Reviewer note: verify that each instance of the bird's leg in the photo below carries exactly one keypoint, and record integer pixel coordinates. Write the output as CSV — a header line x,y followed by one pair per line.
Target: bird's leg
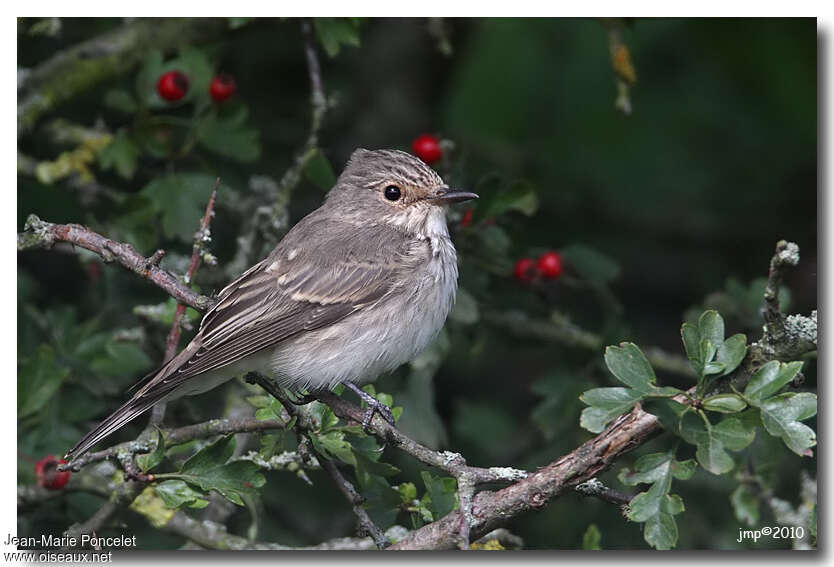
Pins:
x,y
374,406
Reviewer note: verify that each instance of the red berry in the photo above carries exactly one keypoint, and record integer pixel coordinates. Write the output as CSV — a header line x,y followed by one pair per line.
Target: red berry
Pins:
x,y
525,270
172,86
222,87
549,264
427,148
46,474
467,218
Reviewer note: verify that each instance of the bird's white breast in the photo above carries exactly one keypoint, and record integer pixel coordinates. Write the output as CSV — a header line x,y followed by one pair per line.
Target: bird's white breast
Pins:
x,y
381,337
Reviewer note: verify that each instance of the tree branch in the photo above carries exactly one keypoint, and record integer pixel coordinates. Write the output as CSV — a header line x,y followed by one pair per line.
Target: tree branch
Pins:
x,y
41,234
176,437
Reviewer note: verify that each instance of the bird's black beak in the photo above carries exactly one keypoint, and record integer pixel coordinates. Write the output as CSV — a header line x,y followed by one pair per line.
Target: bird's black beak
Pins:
x,y
445,196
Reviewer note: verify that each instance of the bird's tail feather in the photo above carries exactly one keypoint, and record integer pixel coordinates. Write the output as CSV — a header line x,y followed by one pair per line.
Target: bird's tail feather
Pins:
x,y
132,409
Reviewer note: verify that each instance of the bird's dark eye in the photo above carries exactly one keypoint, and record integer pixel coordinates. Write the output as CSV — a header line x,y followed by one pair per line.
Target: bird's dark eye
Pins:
x,y
392,192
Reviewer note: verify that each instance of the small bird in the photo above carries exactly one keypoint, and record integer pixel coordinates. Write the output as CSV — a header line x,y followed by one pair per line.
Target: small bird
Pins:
x,y
357,288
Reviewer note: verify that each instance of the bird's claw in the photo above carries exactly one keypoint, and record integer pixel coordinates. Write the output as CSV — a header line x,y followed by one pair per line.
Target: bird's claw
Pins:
x,y
374,406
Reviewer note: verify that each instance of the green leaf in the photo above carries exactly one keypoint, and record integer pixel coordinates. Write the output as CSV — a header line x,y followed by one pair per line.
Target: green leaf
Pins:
x,y
630,366
769,379
120,155
710,451
228,134
408,492
38,379
781,416
181,200
150,460
683,470
606,404
732,352
724,403
209,470
333,33
319,172
734,434
332,445
441,494
691,343
176,493
661,531
711,328
592,538
745,505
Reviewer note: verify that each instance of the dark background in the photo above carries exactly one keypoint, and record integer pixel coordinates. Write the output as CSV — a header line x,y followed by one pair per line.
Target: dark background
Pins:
x,y
716,163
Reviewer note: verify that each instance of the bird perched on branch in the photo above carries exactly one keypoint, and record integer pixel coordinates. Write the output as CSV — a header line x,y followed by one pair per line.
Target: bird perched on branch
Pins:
x,y
358,287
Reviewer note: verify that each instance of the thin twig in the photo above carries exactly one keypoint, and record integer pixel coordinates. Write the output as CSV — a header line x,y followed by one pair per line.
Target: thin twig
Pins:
x,y
318,102
366,524
201,237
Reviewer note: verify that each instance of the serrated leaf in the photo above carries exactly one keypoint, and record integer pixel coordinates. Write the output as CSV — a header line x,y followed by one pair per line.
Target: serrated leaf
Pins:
x,y
745,505
769,379
148,461
781,416
209,470
724,403
732,352
630,366
333,445
176,493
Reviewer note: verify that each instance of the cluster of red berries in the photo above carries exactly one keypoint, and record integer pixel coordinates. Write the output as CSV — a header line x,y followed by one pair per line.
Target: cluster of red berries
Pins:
x,y
173,85
47,474
548,266
427,148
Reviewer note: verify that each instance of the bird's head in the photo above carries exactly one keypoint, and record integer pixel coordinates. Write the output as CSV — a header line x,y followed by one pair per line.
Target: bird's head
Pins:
x,y
392,186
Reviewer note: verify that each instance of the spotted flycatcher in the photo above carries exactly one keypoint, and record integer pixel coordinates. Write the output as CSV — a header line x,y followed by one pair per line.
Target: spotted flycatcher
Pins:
x,y
358,287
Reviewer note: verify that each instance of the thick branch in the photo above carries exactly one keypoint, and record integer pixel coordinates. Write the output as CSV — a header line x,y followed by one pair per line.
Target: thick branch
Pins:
x,y
491,509
42,234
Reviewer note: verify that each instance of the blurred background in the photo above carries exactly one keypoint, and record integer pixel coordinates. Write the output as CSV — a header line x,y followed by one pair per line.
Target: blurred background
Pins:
x,y
656,213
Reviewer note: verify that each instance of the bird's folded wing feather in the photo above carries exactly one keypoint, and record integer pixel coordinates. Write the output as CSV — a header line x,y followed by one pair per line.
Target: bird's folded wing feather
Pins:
x,y
292,291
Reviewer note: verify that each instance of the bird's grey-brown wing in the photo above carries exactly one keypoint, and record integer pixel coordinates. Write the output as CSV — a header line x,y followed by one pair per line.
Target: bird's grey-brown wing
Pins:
x,y
299,287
